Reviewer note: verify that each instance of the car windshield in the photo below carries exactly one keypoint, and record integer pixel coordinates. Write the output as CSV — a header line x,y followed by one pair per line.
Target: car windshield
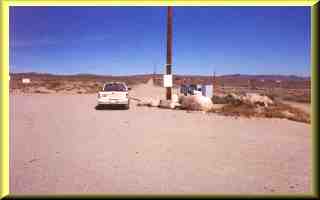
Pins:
x,y
114,87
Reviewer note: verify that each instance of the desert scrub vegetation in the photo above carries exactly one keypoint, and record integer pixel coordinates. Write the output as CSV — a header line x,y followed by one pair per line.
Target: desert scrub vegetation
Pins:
x,y
281,110
236,107
299,96
228,99
278,110
239,109
41,92
53,85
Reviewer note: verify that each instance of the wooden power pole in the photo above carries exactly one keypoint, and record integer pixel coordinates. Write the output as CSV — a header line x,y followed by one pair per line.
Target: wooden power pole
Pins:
x,y
169,50
154,73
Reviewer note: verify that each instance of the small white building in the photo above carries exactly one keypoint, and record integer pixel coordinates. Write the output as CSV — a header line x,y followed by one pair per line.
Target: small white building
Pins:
x,y
26,80
207,90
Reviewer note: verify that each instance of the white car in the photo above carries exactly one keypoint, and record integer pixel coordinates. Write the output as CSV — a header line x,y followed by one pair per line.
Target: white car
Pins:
x,y
114,94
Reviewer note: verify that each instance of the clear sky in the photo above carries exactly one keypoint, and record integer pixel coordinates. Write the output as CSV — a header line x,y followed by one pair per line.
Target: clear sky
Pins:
x,y
132,40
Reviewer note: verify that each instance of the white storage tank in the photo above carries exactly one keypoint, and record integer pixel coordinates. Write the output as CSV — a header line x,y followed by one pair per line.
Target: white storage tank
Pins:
x,y
207,90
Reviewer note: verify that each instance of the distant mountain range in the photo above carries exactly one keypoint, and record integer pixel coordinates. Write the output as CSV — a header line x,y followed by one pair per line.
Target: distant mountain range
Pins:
x,y
231,76
267,77
232,80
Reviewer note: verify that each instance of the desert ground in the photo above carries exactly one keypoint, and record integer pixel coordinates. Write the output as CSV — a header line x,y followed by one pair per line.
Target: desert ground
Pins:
x,y
59,143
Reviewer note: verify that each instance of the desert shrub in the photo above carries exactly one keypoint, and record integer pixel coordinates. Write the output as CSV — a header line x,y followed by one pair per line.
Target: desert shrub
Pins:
x,y
243,109
99,88
53,85
228,99
277,110
231,100
41,92
298,115
271,112
219,100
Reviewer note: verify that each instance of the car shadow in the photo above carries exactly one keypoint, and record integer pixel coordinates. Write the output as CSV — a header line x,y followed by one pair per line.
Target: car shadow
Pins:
x,y
110,107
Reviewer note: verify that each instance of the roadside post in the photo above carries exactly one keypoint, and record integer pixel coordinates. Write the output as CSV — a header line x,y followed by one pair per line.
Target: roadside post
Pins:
x,y
169,55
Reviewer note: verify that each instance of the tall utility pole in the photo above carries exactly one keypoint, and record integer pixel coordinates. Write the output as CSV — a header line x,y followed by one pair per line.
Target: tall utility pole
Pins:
x,y
169,49
214,86
154,72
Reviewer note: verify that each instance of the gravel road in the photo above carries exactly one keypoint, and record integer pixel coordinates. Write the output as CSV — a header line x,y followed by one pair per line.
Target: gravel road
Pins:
x,y
60,144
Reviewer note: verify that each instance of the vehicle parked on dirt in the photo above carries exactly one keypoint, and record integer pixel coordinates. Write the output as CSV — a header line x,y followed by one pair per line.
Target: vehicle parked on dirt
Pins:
x,y
114,94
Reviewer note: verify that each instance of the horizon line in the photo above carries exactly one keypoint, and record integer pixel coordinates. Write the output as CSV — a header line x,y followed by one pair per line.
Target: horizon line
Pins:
x,y
92,74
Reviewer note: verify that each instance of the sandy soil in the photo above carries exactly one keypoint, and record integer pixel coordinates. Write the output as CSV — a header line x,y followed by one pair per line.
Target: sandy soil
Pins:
x,y
60,144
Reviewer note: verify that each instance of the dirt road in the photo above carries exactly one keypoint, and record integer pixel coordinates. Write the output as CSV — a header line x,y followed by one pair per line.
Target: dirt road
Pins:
x,y
60,144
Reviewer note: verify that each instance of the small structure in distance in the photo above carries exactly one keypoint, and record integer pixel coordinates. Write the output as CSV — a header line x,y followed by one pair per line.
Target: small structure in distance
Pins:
x,y
26,80
197,89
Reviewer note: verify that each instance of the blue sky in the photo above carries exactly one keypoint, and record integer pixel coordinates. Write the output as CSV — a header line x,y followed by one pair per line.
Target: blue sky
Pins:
x,y
132,40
